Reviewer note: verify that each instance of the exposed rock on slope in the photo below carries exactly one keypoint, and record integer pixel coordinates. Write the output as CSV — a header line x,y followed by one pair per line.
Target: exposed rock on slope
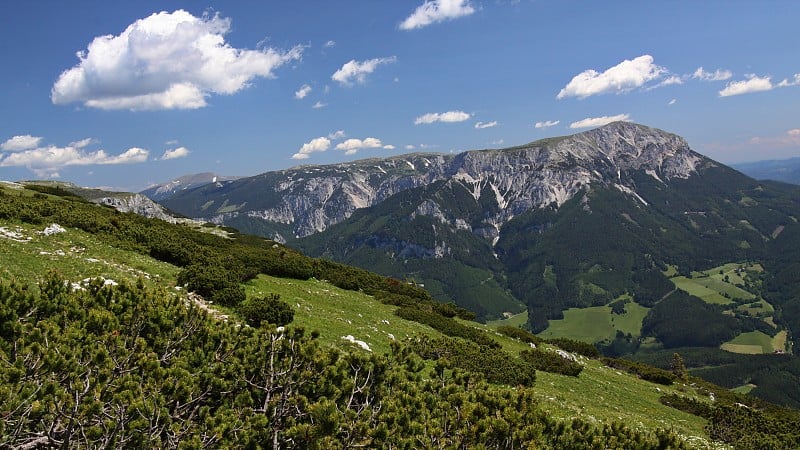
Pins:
x,y
309,199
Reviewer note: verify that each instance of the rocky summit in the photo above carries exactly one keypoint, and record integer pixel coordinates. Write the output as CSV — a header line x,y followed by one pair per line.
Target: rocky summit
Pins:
x,y
305,200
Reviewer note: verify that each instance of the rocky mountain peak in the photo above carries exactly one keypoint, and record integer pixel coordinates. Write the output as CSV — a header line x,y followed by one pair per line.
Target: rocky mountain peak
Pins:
x,y
309,199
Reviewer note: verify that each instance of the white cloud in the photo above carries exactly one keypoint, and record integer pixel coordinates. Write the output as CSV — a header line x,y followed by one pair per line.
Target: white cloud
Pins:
x,y
672,102
18,143
434,11
789,139
319,144
498,142
130,156
753,83
319,105
351,146
547,124
83,143
329,44
409,147
449,116
165,61
786,82
338,134
717,75
45,161
623,77
599,121
388,147
672,79
302,92
357,71
180,152
481,125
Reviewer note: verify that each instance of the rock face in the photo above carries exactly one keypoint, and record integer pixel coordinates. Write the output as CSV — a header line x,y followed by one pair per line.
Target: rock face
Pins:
x,y
136,203
309,199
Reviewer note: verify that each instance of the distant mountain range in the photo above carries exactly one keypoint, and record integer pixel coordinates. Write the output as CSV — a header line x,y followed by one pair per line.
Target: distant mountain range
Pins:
x,y
786,170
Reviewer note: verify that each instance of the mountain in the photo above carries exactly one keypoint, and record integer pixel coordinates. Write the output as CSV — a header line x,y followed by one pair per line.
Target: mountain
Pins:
x,y
786,170
163,191
556,223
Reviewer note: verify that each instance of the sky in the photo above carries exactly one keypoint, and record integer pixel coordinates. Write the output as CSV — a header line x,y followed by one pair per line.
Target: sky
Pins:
x,y
122,95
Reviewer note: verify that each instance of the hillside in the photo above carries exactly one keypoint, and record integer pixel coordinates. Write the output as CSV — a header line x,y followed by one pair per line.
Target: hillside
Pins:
x,y
786,170
168,369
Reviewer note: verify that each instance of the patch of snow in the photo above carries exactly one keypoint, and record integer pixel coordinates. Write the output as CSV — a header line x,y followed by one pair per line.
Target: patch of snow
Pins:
x,y
362,344
411,165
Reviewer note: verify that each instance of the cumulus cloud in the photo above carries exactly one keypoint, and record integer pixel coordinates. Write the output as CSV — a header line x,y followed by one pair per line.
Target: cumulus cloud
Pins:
x,y
329,44
389,147
599,121
319,105
338,134
623,77
435,11
449,116
357,71
351,146
165,61
672,79
753,83
547,124
45,161
180,152
786,82
409,147
302,92
319,144
717,75
19,143
481,125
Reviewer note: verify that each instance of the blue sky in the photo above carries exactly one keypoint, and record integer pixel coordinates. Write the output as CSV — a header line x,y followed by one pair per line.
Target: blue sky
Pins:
x,y
125,94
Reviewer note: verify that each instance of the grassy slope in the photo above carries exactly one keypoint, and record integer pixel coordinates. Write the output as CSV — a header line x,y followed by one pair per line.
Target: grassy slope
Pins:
x,y
598,394
596,323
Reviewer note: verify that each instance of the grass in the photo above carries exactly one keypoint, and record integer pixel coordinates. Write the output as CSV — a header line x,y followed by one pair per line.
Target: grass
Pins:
x,y
75,255
751,343
596,323
614,395
599,394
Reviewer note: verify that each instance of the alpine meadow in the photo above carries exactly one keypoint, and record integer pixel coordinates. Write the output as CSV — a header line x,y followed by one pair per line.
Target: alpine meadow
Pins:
x,y
437,224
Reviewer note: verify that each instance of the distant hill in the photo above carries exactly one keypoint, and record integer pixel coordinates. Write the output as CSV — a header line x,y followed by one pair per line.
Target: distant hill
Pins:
x,y
163,191
786,170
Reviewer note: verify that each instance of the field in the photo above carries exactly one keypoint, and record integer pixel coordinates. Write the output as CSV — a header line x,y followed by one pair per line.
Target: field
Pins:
x,y
596,323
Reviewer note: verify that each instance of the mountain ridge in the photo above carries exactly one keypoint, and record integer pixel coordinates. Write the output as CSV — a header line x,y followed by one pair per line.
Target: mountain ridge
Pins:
x,y
304,200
